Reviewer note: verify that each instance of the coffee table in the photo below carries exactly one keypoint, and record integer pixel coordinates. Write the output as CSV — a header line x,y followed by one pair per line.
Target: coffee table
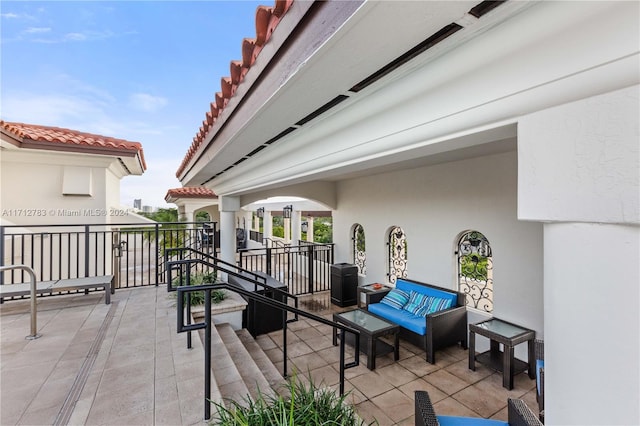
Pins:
x,y
371,328
509,335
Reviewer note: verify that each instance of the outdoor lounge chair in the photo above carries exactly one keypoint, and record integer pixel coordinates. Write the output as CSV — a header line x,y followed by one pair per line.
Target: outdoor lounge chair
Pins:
x,y
519,415
539,351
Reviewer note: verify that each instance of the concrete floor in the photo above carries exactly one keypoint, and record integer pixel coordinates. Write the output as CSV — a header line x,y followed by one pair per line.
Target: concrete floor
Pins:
x,y
125,364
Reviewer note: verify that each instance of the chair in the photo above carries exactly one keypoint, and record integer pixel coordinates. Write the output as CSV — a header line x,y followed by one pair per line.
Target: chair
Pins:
x,y
539,351
519,415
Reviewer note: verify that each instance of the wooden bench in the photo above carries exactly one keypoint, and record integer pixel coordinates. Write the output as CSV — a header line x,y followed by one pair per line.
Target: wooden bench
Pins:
x,y
69,284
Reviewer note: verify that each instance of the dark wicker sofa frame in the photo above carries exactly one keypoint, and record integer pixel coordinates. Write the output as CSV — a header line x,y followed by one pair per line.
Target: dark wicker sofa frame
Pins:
x,y
444,328
519,414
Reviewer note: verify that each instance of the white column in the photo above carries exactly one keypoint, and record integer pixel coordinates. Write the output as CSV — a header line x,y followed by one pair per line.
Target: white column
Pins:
x,y
310,229
296,221
267,225
578,174
228,207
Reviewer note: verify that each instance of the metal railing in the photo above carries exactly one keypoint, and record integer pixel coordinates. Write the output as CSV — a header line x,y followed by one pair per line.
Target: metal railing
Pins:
x,y
32,293
133,253
183,312
305,268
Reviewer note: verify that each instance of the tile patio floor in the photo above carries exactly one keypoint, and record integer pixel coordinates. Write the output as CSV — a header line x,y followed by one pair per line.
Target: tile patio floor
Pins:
x,y
125,364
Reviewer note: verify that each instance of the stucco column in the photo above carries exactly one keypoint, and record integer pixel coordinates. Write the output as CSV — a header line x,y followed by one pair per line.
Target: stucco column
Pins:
x,y
296,221
267,225
578,174
228,207
310,229
256,223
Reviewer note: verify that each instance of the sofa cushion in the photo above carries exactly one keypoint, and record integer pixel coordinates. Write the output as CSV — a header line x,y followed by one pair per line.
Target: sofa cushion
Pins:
x,y
416,302
408,286
434,304
469,421
399,316
396,298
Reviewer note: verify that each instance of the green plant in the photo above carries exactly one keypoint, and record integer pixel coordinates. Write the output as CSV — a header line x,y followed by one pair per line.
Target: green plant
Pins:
x,y
197,297
474,266
307,405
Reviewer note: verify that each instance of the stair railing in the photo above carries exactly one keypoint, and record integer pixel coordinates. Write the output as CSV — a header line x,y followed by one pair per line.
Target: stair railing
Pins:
x,y
183,295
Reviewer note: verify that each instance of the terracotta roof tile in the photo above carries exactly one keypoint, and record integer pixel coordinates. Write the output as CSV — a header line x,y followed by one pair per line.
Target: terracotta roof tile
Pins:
x,y
88,142
191,192
267,19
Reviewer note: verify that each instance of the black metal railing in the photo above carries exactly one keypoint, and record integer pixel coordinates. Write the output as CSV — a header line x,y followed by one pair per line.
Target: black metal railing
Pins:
x,y
256,236
305,268
133,253
183,313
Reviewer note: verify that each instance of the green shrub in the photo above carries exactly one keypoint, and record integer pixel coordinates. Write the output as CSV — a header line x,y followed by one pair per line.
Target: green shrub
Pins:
x,y
197,297
307,405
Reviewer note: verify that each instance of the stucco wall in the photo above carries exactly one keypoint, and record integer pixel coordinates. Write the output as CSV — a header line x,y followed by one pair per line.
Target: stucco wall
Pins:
x,y
32,189
434,205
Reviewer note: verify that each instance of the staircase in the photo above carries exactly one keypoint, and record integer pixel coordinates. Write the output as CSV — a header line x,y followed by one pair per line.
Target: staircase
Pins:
x,y
240,368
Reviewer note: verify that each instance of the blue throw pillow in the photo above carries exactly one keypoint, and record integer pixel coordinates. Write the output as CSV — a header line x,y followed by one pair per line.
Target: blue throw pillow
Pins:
x,y
396,298
434,304
416,302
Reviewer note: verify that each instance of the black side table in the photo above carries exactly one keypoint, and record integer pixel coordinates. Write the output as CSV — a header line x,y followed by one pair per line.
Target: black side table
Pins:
x,y
367,294
509,335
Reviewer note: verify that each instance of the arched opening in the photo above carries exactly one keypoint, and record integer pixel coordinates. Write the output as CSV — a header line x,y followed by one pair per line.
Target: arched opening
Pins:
x,y
358,248
397,245
475,270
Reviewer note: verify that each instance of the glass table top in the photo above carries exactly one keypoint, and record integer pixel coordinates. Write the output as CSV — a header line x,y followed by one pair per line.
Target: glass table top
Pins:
x,y
502,328
365,320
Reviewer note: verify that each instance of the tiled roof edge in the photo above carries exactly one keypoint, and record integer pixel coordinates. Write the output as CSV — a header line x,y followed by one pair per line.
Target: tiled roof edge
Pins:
x,y
61,136
267,19
190,192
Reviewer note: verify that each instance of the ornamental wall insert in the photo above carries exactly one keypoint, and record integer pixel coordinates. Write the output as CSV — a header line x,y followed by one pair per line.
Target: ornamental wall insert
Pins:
x,y
397,254
475,270
359,254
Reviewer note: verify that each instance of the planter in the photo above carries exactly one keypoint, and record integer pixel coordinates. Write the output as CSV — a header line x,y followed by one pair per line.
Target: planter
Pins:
x,y
229,310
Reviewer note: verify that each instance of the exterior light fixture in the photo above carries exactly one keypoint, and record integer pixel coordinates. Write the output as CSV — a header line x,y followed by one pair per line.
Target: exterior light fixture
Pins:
x,y
260,212
304,226
286,211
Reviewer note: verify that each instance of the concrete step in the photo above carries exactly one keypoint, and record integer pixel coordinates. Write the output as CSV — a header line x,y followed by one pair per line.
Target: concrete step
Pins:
x,y
265,365
225,372
251,373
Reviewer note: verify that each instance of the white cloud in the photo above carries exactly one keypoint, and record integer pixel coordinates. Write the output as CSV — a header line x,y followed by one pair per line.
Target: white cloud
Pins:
x,y
147,103
10,15
75,37
37,30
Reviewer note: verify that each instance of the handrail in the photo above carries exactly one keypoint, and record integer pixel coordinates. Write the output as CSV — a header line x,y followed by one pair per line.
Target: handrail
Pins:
x,y
235,274
240,275
34,305
206,325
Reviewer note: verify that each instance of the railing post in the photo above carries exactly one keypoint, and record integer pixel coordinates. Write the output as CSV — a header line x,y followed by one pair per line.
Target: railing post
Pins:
x,y
284,343
86,250
207,353
268,261
310,271
2,255
157,234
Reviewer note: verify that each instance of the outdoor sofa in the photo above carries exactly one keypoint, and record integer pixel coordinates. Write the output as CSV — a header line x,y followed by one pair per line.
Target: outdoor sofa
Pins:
x,y
519,414
430,317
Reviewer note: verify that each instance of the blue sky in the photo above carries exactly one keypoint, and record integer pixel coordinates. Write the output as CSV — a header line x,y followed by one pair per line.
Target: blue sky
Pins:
x,y
144,71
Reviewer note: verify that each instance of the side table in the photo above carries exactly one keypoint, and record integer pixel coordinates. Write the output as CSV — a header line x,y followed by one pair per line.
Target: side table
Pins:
x,y
509,335
366,294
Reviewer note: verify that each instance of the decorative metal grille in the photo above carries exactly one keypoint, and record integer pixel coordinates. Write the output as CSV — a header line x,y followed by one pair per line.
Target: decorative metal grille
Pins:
x,y
397,254
475,270
359,254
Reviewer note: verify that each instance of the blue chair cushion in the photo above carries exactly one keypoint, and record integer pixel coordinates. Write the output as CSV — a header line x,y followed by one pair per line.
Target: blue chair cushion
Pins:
x,y
469,421
396,298
539,366
408,286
